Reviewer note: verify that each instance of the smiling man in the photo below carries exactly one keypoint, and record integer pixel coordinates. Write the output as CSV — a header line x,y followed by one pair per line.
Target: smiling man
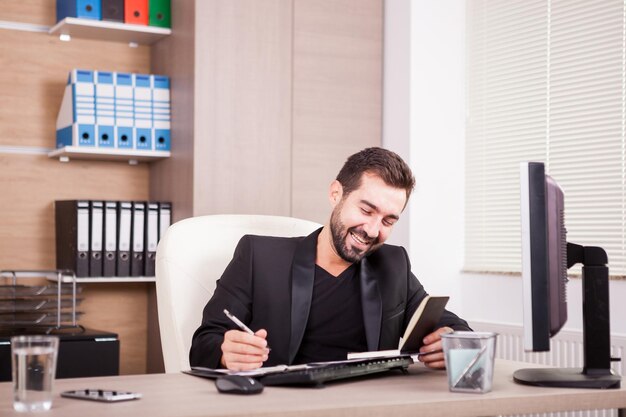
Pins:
x,y
339,290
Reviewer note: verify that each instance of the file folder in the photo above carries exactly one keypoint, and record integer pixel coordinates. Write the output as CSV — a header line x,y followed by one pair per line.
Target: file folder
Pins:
x,y
83,9
105,109
143,111
124,107
137,239
161,111
113,10
76,119
72,236
159,13
124,232
165,217
110,239
151,238
136,12
96,222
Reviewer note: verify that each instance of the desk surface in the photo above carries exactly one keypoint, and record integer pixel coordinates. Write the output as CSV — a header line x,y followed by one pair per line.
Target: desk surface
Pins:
x,y
423,392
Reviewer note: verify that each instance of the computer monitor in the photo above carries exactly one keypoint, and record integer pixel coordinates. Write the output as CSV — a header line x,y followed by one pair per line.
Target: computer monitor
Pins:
x,y
546,256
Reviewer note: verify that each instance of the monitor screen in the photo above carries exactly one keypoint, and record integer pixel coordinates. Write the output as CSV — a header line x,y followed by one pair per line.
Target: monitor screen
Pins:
x,y
546,256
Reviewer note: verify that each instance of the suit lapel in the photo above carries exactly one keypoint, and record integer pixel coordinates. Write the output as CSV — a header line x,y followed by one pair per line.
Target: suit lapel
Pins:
x,y
372,305
302,279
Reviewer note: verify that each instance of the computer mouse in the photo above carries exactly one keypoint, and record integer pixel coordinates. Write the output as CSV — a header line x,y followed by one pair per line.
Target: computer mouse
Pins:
x,y
237,384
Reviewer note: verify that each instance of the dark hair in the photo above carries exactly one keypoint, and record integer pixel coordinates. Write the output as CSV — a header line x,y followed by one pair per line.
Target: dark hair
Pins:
x,y
382,162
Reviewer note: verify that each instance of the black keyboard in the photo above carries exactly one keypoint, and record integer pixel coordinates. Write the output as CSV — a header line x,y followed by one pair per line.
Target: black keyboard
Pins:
x,y
325,372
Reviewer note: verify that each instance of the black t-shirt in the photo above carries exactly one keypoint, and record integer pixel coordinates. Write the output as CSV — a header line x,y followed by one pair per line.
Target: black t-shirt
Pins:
x,y
335,325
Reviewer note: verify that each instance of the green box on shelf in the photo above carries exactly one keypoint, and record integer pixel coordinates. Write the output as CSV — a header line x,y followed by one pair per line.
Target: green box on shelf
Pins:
x,y
159,12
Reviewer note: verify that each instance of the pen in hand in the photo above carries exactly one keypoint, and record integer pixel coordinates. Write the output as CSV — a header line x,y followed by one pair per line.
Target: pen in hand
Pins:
x,y
240,324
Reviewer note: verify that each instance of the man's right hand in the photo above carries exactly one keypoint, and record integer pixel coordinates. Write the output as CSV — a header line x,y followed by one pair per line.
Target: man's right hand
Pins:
x,y
242,351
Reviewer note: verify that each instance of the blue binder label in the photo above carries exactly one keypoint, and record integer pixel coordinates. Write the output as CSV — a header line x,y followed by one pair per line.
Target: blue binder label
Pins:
x,y
162,139
144,139
86,135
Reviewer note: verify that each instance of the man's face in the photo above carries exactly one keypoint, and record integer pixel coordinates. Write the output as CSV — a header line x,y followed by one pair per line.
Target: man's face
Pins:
x,y
362,221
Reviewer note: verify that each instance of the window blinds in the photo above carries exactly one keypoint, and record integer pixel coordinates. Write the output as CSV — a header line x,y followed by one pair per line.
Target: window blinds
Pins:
x,y
545,82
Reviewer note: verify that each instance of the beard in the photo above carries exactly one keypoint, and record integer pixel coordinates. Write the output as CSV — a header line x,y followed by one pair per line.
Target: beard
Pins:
x,y
340,235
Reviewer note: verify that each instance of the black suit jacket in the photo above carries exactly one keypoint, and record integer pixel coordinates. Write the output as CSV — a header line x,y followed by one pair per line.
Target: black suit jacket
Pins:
x,y
269,283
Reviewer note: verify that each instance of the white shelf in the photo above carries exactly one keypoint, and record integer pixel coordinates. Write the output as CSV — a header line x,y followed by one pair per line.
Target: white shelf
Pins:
x,y
132,156
52,275
105,279
109,31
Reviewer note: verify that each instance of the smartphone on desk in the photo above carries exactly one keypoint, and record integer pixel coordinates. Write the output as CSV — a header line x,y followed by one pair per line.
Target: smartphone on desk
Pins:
x,y
104,395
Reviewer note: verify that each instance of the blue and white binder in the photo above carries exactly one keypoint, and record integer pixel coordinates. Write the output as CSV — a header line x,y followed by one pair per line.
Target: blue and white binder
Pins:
x,y
143,112
161,112
124,107
76,119
105,109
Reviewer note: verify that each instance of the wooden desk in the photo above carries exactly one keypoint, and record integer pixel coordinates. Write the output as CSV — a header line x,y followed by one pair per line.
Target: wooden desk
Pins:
x,y
421,393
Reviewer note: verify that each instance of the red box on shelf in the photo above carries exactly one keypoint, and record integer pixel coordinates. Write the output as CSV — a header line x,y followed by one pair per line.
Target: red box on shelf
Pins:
x,y
136,12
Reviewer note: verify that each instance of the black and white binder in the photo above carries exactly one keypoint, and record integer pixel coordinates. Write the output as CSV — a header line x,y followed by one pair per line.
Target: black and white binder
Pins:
x,y
124,227
110,239
72,236
165,217
151,238
137,239
96,222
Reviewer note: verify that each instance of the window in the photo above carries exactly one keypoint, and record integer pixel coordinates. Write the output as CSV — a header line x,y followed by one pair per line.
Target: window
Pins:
x,y
545,82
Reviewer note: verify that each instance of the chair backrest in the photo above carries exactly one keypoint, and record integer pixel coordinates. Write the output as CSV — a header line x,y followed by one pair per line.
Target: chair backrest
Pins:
x,y
190,258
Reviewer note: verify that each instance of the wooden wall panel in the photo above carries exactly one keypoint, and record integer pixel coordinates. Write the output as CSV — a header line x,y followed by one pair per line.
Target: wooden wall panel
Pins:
x,y
37,12
337,94
231,101
34,72
242,126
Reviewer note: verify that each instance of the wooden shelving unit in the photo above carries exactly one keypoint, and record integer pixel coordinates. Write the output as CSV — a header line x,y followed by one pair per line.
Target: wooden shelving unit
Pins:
x,y
35,65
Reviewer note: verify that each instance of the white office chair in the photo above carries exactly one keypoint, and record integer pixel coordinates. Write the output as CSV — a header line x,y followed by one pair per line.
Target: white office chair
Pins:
x,y
190,259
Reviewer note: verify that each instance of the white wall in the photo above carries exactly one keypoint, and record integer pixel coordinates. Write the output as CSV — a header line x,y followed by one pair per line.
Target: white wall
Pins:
x,y
437,108
437,143
397,97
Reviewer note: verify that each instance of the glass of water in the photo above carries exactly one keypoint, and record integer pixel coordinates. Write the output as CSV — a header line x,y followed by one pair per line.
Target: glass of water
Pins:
x,y
33,360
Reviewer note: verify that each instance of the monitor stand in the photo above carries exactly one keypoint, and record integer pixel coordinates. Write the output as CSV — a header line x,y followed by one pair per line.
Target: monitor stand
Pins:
x,y
565,378
596,371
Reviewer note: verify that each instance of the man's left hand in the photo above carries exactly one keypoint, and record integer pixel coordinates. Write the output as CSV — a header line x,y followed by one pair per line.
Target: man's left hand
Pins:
x,y
432,350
